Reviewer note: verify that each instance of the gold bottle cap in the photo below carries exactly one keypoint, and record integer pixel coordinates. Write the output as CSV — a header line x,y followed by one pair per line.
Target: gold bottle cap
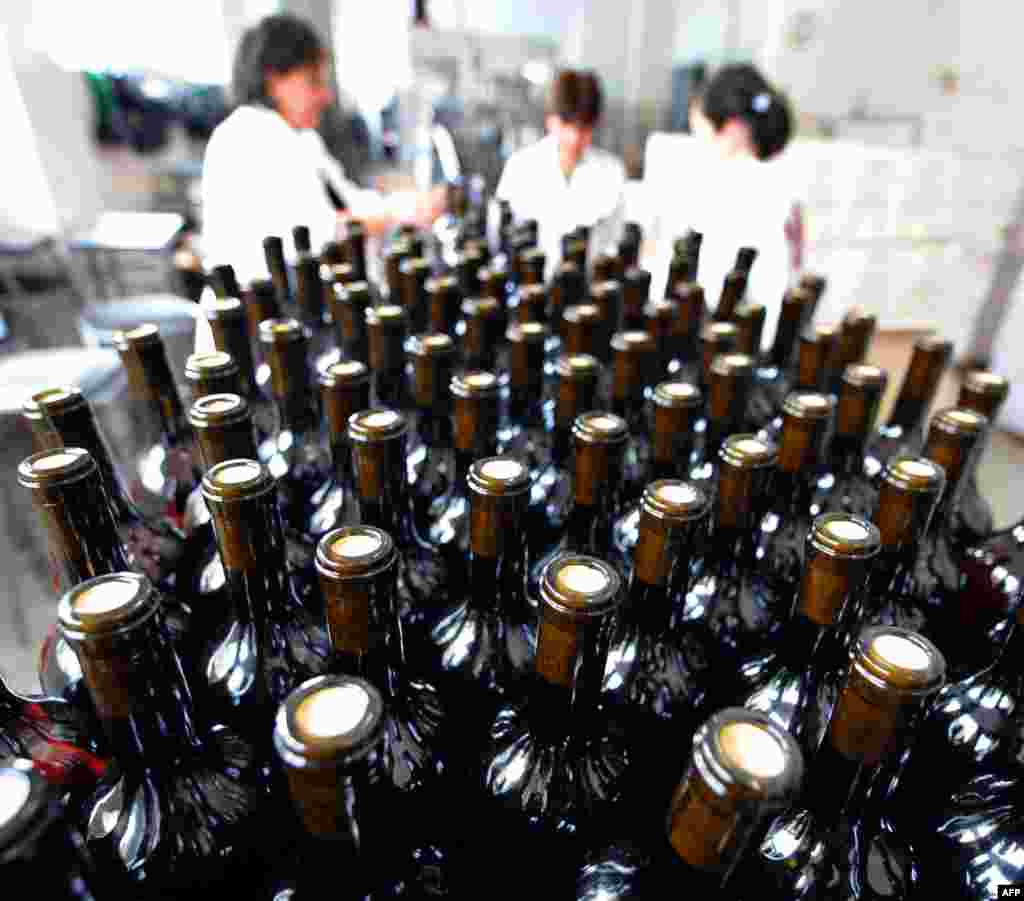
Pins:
x,y
532,298
328,720
59,466
959,421
434,345
748,452
475,384
443,284
582,312
675,501
377,424
578,367
661,311
862,375
898,659
983,382
210,365
106,605
677,394
356,291
346,372
600,428
844,535
355,552
731,365
580,587
387,316
808,405
144,335
276,332
218,410
633,342
915,474
527,333
237,480
498,476
720,333
55,401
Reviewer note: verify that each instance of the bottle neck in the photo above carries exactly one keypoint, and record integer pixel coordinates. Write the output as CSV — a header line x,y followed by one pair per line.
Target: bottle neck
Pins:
x,y
571,658
848,454
232,336
380,473
83,537
434,428
140,694
526,405
834,785
908,412
662,564
498,554
162,397
297,414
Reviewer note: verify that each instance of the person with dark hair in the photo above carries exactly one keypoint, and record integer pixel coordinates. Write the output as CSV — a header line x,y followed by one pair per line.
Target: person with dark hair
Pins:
x,y
735,187
562,181
267,169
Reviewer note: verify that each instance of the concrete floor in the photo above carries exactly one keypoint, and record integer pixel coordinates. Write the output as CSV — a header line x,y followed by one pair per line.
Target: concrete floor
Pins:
x,y
47,320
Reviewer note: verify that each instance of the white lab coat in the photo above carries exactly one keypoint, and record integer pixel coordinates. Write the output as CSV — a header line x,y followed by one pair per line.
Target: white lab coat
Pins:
x,y
733,203
535,187
262,177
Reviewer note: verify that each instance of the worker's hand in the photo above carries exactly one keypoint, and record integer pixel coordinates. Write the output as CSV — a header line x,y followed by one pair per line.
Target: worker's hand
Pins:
x,y
430,204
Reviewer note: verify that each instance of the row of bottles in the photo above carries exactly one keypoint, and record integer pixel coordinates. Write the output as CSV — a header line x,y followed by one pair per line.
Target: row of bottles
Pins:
x,y
422,598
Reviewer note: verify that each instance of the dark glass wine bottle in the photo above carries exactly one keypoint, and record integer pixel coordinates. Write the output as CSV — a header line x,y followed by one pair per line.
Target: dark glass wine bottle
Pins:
x,y
903,432
211,372
312,308
800,688
445,304
657,674
387,328
985,393
349,304
837,841
479,334
355,248
39,428
600,442
808,420
685,261
606,267
526,435
582,330
531,304
689,328
742,770
568,289
38,845
855,333
155,546
415,298
716,339
853,487
468,263
636,290
431,461
634,355
815,355
607,297
475,398
553,771
295,455
749,320
396,254
273,252
629,244
773,376
484,644
181,806
551,494
677,408
165,473
268,642
734,287
728,393
732,601
378,438
814,284
660,322
574,250
531,263
494,285
332,741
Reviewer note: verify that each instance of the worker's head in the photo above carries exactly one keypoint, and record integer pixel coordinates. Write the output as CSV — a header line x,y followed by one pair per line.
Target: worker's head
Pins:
x,y
281,63
574,109
741,114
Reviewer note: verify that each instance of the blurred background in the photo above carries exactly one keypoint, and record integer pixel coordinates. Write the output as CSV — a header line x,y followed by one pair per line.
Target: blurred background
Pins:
x,y
908,156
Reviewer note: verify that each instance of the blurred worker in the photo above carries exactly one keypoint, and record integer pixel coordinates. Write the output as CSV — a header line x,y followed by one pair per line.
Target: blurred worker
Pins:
x,y
562,181
733,188
266,168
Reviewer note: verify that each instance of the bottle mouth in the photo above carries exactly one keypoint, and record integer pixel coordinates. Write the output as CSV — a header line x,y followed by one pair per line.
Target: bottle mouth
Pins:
x,y
376,424
208,365
844,535
354,552
354,291
348,372
527,333
475,384
386,315
916,474
809,405
582,312
900,660
598,427
433,345
498,476
677,394
328,720
217,410
990,384
144,335
748,452
580,587
578,367
719,332
661,310
862,375
675,501
280,331
959,421
107,605
739,747
58,466
934,344
606,289
237,480
732,364
60,399
633,342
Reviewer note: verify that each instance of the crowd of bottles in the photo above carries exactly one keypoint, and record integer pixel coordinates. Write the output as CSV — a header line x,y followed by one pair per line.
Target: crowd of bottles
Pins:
x,y
468,585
